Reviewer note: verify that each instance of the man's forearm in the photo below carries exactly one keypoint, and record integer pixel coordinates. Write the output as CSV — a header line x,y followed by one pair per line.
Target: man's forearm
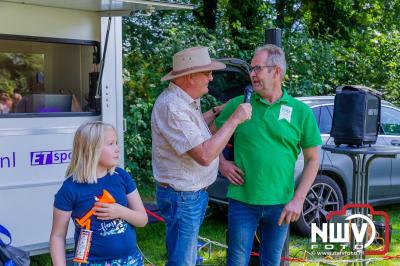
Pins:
x,y
222,157
209,116
207,151
213,147
307,178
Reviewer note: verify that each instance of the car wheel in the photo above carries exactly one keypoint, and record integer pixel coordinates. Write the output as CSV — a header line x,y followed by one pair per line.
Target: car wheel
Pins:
x,y
324,196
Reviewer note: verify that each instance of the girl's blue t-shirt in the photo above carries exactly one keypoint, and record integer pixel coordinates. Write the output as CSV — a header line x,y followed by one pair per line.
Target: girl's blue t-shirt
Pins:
x,y
111,239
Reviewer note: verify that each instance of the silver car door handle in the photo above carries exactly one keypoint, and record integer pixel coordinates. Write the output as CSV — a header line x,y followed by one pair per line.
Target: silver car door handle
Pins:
x,y
395,142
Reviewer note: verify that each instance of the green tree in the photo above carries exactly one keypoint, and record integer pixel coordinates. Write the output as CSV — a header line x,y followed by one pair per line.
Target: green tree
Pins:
x,y
206,13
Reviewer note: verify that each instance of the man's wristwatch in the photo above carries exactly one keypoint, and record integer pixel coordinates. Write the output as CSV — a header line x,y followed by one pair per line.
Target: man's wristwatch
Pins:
x,y
214,111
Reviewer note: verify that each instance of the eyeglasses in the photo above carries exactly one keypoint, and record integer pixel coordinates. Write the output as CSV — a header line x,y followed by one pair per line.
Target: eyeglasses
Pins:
x,y
207,73
257,69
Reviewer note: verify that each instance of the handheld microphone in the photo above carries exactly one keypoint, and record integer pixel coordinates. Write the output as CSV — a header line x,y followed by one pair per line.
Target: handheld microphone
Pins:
x,y
248,91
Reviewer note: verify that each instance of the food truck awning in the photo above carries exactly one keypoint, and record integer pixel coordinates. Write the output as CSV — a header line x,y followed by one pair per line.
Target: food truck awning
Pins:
x,y
107,7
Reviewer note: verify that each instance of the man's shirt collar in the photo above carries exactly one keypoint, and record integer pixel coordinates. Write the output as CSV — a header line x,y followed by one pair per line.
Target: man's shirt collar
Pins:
x,y
284,98
179,92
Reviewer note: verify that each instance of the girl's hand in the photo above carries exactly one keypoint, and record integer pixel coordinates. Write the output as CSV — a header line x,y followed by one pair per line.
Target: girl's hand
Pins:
x,y
108,211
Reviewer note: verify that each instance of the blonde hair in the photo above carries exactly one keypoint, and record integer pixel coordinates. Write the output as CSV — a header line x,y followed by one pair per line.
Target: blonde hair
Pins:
x,y
88,140
276,57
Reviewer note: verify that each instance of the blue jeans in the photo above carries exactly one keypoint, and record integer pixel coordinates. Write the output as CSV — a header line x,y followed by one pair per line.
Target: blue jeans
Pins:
x,y
243,220
183,213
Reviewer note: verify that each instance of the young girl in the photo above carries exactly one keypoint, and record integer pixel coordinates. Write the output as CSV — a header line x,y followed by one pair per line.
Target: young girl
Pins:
x,y
95,156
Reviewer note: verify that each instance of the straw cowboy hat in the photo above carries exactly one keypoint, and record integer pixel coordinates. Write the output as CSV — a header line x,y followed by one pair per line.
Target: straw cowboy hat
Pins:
x,y
192,60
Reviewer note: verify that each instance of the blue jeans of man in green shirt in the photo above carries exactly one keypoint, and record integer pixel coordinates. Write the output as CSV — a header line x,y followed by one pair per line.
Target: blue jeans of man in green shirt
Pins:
x,y
242,225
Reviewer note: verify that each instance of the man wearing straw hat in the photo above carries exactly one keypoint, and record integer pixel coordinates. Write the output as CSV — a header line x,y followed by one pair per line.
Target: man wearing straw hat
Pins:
x,y
184,153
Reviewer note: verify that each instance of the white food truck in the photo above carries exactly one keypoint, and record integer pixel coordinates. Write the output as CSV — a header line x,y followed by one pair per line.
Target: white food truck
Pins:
x,y
66,44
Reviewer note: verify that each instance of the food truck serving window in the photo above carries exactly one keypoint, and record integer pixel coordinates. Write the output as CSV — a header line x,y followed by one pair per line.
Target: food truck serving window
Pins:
x,y
47,77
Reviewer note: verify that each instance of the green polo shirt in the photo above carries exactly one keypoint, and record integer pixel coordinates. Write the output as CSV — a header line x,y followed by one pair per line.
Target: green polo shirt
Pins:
x,y
267,146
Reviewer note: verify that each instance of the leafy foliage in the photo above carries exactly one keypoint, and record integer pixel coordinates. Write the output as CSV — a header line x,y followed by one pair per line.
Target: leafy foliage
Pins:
x,y
17,71
138,140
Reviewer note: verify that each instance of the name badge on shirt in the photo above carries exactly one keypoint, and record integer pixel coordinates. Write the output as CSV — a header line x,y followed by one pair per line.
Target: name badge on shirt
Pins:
x,y
285,113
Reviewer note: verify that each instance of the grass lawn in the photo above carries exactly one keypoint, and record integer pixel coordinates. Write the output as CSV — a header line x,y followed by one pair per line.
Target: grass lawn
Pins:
x,y
151,241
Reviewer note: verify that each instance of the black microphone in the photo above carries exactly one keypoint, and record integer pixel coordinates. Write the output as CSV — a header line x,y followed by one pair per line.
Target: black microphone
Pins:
x,y
248,91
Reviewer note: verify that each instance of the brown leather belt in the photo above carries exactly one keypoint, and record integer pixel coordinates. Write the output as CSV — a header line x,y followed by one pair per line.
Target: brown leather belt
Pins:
x,y
164,185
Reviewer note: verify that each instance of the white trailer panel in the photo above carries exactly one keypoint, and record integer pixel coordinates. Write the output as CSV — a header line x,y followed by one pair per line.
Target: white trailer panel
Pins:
x,y
34,153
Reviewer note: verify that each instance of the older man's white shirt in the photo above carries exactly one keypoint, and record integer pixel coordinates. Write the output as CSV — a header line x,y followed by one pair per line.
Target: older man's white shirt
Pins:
x,y
177,126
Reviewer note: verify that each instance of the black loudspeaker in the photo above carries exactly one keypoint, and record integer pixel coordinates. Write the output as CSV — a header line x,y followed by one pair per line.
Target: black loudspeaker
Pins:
x,y
356,116
273,36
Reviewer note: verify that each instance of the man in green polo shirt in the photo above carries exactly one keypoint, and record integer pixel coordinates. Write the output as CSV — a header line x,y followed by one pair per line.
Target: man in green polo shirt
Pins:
x,y
261,192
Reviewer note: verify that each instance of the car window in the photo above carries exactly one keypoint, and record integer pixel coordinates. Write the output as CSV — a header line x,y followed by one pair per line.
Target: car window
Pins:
x,y
325,121
317,111
390,121
228,83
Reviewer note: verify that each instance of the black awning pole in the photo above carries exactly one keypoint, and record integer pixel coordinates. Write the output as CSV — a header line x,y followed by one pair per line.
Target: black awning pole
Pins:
x,y
98,92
